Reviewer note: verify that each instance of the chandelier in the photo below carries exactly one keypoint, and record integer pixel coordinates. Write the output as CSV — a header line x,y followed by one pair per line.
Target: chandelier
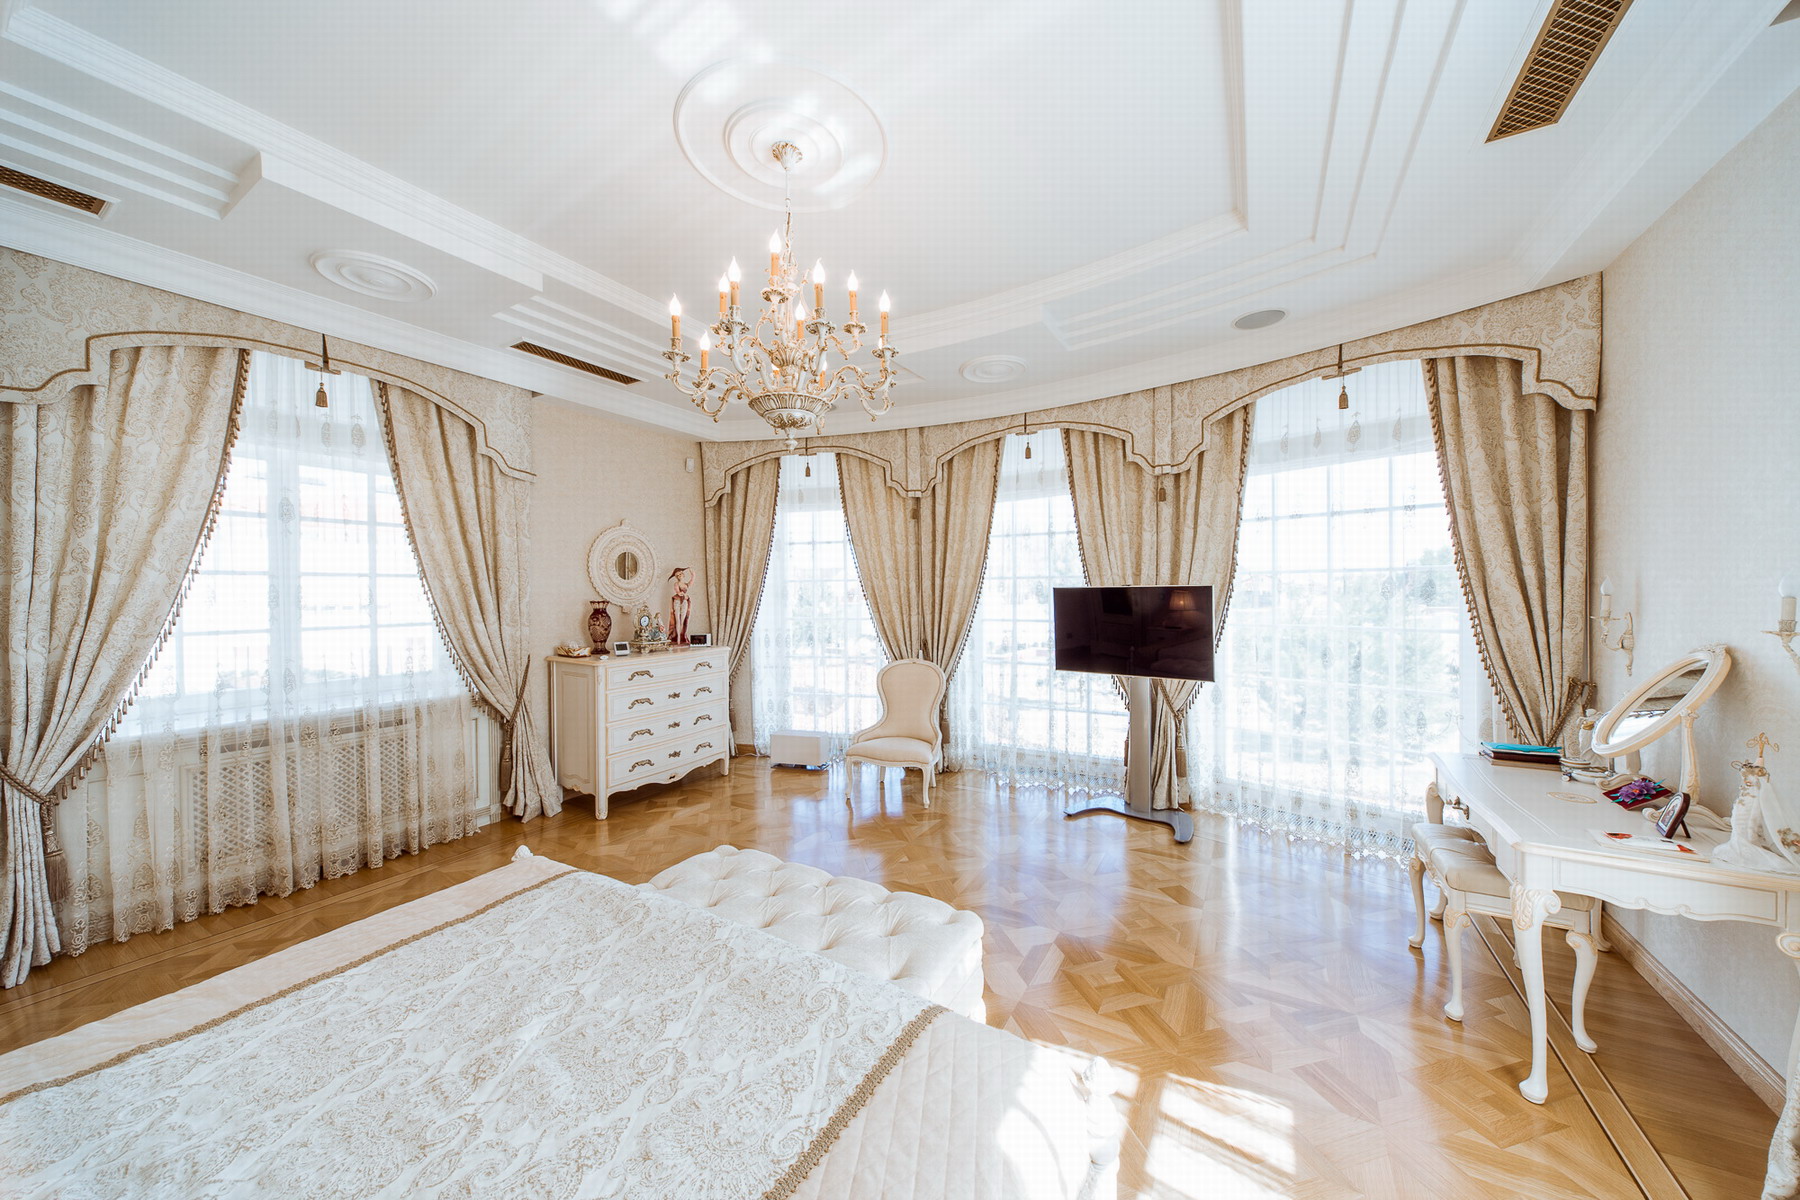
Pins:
x,y
781,366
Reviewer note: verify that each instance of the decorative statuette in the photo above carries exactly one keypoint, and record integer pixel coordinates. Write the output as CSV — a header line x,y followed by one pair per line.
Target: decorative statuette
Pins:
x,y
681,578
1764,835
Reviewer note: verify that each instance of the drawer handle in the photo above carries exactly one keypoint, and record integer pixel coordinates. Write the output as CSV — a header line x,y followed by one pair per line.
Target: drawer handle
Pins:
x,y
702,746
702,691
642,762
674,754
674,695
640,733
703,666
674,724
638,701
640,675
703,717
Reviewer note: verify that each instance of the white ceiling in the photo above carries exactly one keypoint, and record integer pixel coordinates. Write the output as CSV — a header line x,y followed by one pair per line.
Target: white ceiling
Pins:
x,y
1096,190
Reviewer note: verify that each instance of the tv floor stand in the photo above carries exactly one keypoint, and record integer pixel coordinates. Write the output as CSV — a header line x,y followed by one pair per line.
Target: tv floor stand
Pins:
x,y
1136,801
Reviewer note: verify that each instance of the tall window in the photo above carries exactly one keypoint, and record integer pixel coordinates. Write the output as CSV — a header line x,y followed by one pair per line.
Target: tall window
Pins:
x,y
308,572
814,653
304,719
1012,712
1342,661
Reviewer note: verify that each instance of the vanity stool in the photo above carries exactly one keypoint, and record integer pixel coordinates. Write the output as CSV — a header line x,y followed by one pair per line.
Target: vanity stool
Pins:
x,y
1470,883
917,943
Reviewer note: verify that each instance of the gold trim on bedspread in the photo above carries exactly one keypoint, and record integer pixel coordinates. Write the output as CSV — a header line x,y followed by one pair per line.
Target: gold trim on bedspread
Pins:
x,y
631,1046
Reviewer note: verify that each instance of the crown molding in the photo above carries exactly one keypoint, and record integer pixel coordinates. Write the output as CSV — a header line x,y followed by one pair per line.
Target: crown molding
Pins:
x,y
1708,41
79,243
1438,299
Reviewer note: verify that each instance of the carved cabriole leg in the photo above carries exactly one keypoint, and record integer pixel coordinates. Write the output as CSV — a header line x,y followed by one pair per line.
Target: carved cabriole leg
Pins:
x,y
1587,955
1789,943
1415,869
1456,918
1437,906
1530,907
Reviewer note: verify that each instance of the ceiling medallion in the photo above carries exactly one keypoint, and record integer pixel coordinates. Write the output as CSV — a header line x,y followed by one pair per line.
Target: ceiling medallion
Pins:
x,y
785,373
993,368
728,116
373,275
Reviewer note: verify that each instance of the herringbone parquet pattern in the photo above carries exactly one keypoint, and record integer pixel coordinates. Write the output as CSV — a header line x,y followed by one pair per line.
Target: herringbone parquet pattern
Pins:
x,y
1275,1035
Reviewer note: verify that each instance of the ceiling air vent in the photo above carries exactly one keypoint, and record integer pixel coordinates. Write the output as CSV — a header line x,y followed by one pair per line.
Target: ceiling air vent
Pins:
x,y
1572,37
557,356
51,191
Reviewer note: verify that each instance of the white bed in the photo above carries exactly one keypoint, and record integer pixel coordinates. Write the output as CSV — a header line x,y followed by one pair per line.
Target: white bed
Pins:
x,y
542,1031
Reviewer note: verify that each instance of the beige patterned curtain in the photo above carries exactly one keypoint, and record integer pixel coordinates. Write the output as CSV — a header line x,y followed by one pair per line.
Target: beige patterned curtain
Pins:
x,y
1181,528
740,527
108,491
921,561
1515,469
470,524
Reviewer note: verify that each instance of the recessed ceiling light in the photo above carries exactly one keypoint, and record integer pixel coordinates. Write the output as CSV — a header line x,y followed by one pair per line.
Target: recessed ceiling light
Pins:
x,y
1262,318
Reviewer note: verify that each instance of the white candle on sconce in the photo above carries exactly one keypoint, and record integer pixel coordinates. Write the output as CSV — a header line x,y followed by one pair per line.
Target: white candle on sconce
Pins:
x,y
1787,599
1605,598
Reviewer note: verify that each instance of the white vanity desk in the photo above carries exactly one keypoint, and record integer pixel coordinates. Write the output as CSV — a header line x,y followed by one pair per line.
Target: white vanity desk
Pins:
x,y
1537,825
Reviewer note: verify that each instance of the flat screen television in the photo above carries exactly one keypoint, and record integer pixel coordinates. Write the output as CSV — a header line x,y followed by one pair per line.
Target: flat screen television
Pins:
x,y
1157,632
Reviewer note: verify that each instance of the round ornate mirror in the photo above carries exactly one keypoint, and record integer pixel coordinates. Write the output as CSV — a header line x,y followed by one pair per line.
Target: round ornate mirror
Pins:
x,y
621,565
1669,698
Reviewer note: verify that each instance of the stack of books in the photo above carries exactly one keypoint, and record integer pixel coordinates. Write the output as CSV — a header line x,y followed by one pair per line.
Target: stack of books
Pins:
x,y
1514,755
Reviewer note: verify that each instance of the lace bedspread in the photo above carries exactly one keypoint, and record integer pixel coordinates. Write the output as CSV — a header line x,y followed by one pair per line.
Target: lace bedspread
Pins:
x,y
577,1037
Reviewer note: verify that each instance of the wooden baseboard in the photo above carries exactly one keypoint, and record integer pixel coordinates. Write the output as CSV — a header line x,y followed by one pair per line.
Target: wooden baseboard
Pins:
x,y
1750,1066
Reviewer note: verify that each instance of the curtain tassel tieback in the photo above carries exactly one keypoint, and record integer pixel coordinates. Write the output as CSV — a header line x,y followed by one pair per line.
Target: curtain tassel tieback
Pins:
x,y
56,864
508,727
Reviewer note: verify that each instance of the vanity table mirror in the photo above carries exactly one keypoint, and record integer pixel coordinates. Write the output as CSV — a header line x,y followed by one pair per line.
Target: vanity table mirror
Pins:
x,y
1667,700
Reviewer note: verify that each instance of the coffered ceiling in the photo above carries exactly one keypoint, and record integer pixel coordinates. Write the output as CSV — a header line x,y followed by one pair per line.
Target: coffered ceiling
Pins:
x,y
1065,199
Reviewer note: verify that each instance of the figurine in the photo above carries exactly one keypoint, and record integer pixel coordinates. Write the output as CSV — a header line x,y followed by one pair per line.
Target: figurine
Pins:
x,y
1760,841
679,605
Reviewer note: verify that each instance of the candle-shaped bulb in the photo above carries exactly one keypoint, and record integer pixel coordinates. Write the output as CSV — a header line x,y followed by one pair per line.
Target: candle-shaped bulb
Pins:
x,y
818,280
724,291
774,255
1787,599
735,276
883,304
818,274
1605,598
852,286
705,350
775,242
675,317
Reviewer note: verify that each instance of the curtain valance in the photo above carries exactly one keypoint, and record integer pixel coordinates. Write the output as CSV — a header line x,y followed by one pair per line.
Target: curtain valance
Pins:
x,y
60,324
1553,334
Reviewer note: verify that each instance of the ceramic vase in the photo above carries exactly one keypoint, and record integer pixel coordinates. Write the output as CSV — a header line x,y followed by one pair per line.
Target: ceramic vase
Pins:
x,y
599,624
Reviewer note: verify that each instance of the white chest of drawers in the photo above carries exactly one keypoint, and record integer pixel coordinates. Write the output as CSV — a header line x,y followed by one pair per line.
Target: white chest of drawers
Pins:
x,y
619,723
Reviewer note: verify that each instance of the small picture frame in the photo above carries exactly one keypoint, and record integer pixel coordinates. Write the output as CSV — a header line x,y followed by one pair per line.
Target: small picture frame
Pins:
x,y
1673,817
621,649
700,639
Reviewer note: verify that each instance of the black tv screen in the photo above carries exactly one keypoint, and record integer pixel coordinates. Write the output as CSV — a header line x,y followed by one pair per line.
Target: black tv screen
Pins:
x,y
1161,632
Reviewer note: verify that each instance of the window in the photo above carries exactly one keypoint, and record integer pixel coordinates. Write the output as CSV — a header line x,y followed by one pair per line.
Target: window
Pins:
x,y
1341,665
814,653
308,582
1013,713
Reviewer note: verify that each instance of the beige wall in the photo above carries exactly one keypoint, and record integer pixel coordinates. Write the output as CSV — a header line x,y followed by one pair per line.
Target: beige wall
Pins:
x,y
1697,509
592,472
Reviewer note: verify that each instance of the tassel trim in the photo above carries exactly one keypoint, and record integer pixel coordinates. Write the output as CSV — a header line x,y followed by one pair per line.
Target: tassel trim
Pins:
x,y
234,423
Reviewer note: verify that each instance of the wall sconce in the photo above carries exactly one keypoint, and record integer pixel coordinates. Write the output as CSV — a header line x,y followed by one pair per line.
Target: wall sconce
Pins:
x,y
1784,629
1627,640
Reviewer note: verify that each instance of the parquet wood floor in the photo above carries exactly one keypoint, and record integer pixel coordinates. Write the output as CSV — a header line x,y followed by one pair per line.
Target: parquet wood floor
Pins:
x,y
1275,1035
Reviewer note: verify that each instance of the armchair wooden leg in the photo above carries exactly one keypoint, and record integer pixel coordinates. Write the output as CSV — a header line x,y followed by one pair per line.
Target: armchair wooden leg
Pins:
x,y
1415,869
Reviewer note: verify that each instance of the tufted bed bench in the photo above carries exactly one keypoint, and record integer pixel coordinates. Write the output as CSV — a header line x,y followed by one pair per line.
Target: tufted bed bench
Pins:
x,y
921,944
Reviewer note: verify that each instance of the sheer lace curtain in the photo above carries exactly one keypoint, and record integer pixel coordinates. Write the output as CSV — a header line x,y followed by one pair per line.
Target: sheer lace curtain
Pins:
x,y
814,652
1344,651
304,719
1011,712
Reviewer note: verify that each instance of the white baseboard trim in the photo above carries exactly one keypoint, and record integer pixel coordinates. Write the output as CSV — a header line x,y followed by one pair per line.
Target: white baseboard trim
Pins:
x,y
1751,1067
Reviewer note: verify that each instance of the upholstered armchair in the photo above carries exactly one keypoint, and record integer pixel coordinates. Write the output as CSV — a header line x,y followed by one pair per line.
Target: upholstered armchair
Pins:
x,y
907,735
